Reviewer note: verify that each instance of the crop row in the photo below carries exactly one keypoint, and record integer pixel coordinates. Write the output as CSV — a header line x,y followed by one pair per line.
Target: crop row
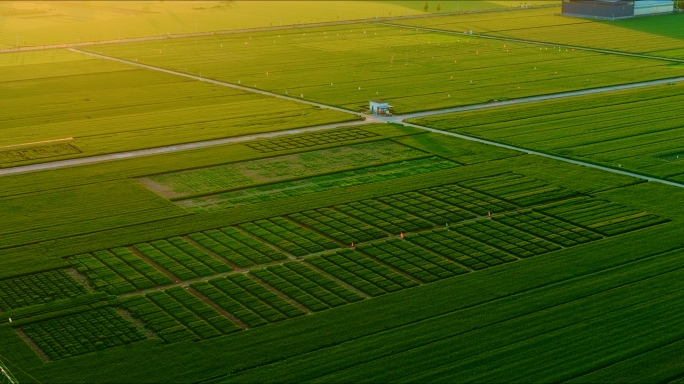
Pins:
x,y
306,286
157,320
548,228
310,140
167,262
603,216
467,199
255,297
288,236
183,315
436,211
521,190
389,219
412,260
90,331
505,238
237,247
100,276
338,226
361,272
461,249
240,308
38,288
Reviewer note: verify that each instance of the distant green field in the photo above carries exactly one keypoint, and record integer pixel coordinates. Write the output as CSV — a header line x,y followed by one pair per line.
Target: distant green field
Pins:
x,y
635,130
47,22
36,217
348,65
658,36
109,107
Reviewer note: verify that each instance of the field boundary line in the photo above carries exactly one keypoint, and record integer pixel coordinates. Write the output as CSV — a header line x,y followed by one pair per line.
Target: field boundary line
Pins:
x,y
33,345
399,119
280,294
220,310
224,84
37,143
158,267
542,154
289,179
535,42
399,272
174,148
335,279
534,99
211,253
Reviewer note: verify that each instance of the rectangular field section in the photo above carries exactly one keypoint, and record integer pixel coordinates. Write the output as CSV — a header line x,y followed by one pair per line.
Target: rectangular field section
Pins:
x,y
85,332
602,216
310,140
38,288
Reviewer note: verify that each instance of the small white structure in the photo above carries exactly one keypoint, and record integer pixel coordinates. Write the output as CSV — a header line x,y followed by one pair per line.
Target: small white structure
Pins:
x,y
379,107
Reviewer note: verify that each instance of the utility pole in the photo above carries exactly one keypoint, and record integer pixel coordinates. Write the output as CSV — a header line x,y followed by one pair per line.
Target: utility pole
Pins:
x,y
17,41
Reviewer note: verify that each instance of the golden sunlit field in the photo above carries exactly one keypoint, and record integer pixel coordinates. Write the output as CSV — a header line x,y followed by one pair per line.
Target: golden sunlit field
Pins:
x,y
339,191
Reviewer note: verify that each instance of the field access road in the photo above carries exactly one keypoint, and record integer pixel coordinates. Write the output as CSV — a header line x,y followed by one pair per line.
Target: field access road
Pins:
x,y
223,84
533,99
399,119
173,148
534,42
542,154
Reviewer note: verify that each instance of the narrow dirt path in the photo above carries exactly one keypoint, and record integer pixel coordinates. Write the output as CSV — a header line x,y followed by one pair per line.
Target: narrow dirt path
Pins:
x,y
33,344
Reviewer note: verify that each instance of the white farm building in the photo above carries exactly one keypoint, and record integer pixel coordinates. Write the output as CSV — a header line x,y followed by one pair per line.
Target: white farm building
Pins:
x,y
379,107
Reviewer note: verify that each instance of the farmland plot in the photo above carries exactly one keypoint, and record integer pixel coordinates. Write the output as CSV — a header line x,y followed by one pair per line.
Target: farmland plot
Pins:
x,y
348,65
325,277
277,191
270,170
628,129
310,140
31,218
37,289
110,107
659,36
91,331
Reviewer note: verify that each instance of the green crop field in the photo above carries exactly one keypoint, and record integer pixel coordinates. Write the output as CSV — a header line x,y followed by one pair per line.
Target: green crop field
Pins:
x,y
661,36
415,70
38,23
635,130
337,247
102,107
